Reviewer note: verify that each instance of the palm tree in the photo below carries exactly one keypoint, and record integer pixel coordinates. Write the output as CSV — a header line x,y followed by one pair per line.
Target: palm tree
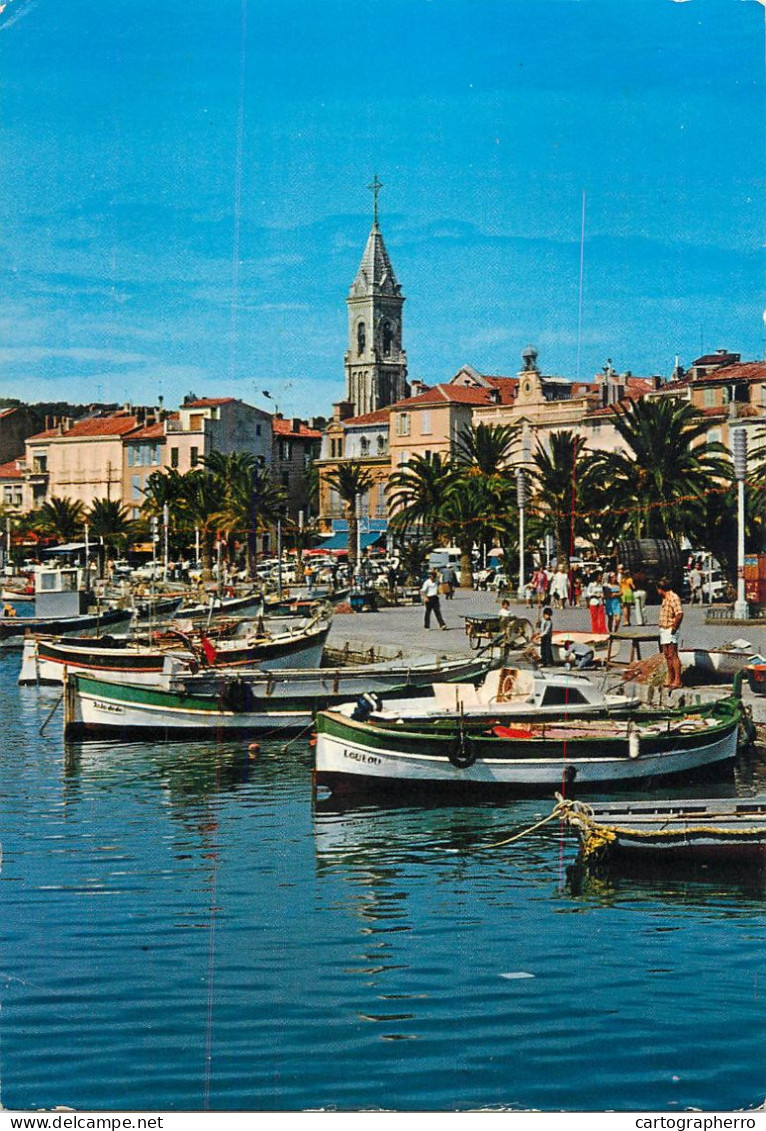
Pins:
x,y
202,495
108,521
166,489
558,488
351,481
486,448
667,466
63,519
251,504
483,455
463,523
417,493
163,489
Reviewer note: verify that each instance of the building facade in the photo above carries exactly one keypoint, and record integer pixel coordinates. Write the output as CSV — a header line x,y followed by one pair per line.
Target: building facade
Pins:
x,y
296,445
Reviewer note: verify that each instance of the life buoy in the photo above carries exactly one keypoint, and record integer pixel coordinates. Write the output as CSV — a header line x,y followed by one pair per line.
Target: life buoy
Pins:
x,y
507,685
462,755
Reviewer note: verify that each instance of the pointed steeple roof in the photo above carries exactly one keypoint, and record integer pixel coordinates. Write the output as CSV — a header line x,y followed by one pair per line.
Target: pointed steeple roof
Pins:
x,y
375,275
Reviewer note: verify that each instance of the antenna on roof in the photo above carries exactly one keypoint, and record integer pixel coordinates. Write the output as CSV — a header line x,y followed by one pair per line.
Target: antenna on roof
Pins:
x,y
582,264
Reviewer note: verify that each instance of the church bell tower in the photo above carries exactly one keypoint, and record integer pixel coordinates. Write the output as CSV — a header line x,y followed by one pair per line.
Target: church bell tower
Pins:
x,y
376,364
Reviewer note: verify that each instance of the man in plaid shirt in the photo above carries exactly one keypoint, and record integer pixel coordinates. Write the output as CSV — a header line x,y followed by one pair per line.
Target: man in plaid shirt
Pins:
x,y
671,615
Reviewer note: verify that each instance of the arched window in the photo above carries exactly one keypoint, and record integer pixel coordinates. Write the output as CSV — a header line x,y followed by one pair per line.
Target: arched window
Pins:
x,y
365,446
361,338
388,338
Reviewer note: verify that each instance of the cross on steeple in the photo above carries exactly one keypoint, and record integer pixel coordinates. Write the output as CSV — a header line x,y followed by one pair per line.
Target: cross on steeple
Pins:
x,y
375,188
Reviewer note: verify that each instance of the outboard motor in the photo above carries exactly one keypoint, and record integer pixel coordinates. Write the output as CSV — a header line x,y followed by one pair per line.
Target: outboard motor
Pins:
x,y
365,705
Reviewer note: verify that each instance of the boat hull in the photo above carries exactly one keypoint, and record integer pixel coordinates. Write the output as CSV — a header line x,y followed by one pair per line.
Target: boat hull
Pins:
x,y
720,831
14,629
47,661
351,755
214,702
714,664
97,707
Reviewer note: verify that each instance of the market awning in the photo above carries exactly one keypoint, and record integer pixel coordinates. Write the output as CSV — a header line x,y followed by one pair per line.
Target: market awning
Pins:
x,y
339,541
67,548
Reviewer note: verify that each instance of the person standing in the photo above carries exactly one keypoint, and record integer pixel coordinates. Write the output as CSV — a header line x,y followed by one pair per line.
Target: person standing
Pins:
x,y
612,603
546,638
429,591
627,598
595,597
559,590
671,615
449,581
695,583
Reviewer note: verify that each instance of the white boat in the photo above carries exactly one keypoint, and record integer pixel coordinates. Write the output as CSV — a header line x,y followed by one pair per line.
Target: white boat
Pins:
x,y
46,659
527,756
506,693
62,605
720,663
224,702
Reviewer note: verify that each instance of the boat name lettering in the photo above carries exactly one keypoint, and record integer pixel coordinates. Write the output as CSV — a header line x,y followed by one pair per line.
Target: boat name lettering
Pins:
x,y
359,756
99,705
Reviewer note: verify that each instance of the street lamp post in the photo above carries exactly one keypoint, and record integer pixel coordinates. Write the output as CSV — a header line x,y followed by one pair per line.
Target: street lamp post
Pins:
x,y
739,452
521,498
166,524
280,515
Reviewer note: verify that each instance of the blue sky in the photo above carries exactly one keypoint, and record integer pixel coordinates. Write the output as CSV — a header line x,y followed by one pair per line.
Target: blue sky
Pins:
x,y
184,200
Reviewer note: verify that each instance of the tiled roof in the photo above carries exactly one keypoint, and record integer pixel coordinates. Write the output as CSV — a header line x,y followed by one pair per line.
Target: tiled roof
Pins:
x,y
631,395
209,402
723,357
45,435
102,426
283,427
447,394
508,387
114,425
744,371
8,411
380,416
149,432
11,470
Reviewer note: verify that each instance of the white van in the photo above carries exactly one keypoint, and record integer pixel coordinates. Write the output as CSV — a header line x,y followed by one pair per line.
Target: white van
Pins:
x,y
448,555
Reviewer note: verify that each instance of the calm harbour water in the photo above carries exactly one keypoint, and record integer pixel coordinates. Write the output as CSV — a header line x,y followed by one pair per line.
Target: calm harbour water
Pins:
x,y
182,930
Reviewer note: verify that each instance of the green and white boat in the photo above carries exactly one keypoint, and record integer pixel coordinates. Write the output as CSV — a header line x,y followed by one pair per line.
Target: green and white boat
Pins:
x,y
598,753
220,701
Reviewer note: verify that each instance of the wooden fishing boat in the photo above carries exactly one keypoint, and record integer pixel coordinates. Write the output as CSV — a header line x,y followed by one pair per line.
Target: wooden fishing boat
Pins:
x,y
528,756
221,606
721,830
720,663
13,630
47,658
223,702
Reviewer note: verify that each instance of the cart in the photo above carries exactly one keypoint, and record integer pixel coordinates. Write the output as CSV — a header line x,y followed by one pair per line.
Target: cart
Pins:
x,y
512,632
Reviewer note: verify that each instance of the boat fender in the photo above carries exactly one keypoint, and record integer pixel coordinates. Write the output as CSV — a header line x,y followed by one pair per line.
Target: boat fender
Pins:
x,y
462,755
634,743
253,750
